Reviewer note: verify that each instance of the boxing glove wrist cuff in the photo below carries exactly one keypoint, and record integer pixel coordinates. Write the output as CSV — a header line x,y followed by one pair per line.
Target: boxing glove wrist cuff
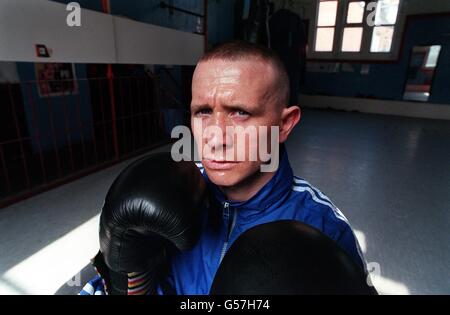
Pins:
x,y
120,283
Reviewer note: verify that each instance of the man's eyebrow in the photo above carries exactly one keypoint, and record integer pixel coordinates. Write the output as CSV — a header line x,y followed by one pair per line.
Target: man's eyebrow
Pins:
x,y
237,106
199,106
243,107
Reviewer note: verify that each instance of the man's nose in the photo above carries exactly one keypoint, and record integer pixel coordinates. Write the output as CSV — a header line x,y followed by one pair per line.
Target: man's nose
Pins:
x,y
218,136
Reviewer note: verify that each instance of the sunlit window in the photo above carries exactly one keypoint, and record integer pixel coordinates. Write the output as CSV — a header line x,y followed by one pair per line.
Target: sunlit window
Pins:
x,y
353,31
385,19
352,39
326,23
355,13
345,27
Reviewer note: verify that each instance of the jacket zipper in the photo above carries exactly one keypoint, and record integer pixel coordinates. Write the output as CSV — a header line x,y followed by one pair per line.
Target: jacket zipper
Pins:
x,y
226,206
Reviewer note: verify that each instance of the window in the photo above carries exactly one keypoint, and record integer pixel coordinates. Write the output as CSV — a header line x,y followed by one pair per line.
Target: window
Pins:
x,y
348,27
325,37
352,39
353,30
356,12
326,22
385,19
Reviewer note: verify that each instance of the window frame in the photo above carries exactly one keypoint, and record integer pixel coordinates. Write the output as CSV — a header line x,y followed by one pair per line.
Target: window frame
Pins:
x,y
341,23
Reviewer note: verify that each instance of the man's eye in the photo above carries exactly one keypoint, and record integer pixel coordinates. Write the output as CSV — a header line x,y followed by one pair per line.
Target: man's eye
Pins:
x,y
242,113
203,111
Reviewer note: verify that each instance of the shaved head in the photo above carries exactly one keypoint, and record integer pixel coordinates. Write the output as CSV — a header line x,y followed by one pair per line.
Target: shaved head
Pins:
x,y
245,51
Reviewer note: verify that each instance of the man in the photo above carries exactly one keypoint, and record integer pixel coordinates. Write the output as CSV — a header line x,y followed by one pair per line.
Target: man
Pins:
x,y
239,84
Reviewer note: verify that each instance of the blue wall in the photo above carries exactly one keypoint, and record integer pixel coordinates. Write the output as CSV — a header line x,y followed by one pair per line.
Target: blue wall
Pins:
x,y
149,11
26,71
95,5
220,21
386,81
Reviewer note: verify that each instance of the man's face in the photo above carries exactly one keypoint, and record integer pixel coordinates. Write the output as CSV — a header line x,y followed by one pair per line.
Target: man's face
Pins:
x,y
232,94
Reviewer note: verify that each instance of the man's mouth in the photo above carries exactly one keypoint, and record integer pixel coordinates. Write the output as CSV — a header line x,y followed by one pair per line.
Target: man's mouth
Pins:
x,y
219,164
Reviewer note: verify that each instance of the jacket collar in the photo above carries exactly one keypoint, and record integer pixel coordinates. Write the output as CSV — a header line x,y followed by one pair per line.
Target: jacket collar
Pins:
x,y
272,191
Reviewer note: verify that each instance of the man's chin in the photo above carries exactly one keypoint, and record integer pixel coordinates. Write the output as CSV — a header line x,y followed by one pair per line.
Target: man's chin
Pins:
x,y
224,178
231,176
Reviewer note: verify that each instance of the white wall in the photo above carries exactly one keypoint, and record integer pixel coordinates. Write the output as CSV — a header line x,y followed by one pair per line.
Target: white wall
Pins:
x,y
101,38
140,43
24,23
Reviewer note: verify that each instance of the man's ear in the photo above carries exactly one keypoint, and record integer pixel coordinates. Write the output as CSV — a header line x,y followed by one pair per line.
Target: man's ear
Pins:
x,y
289,118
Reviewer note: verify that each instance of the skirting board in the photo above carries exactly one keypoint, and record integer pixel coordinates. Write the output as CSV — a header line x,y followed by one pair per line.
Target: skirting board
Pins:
x,y
384,107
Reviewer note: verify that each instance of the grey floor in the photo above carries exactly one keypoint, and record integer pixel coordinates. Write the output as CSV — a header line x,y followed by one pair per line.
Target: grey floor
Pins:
x,y
391,178
48,239
389,175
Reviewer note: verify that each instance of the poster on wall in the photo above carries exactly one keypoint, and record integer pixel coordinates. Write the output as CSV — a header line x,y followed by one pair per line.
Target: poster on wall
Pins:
x,y
56,79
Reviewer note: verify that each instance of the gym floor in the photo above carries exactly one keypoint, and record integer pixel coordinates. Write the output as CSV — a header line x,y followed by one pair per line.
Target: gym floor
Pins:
x,y
389,175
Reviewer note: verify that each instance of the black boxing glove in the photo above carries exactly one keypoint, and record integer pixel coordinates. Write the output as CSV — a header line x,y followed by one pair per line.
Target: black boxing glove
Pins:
x,y
288,257
152,210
